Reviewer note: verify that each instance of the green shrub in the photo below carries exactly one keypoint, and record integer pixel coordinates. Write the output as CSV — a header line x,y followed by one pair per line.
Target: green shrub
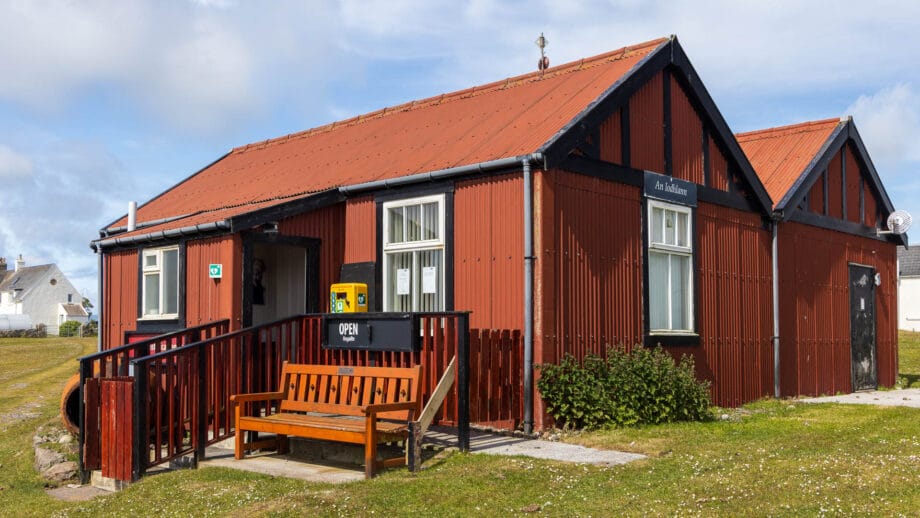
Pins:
x,y
644,386
69,328
91,328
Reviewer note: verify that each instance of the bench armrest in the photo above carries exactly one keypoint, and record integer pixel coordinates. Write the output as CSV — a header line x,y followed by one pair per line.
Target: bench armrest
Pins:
x,y
389,407
257,396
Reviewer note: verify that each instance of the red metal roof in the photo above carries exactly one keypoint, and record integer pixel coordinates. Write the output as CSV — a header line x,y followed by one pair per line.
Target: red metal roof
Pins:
x,y
781,155
508,118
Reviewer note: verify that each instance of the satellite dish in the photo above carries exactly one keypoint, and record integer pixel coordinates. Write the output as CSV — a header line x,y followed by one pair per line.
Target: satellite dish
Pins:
x,y
898,222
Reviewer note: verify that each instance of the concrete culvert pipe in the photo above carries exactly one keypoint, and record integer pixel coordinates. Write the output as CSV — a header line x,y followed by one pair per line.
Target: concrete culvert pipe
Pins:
x,y
70,405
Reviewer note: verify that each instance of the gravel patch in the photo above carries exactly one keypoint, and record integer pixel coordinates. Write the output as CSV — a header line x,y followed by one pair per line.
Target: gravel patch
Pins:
x,y
903,397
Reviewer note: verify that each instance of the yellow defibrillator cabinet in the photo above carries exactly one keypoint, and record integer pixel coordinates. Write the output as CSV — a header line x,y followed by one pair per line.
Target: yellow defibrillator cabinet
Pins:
x,y
348,297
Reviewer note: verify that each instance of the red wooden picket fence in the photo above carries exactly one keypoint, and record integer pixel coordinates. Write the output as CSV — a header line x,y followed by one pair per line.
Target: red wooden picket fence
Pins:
x,y
181,394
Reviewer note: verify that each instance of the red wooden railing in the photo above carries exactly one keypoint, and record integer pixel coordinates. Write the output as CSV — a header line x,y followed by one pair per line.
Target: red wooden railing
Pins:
x,y
114,362
181,395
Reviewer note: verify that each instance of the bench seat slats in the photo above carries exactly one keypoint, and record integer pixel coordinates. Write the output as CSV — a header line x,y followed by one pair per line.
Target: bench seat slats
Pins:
x,y
340,394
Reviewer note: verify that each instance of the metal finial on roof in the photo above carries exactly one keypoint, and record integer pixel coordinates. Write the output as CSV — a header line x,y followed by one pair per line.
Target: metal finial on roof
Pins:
x,y
543,64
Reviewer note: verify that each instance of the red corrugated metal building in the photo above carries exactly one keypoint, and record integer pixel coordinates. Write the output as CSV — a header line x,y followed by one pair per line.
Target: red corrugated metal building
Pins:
x,y
647,224
837,276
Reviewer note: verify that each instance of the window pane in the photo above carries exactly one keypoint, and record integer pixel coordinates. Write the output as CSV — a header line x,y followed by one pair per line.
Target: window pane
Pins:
x,y
152,294
171,281
150,260
395,232
658,290
429,289
399,282
657,225
432,223
682,229
413,223
669,230
680,292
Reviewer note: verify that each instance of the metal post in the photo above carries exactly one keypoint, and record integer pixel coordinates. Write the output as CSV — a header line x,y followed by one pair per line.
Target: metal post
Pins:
x,y
202,426
140,419
86,370
463,382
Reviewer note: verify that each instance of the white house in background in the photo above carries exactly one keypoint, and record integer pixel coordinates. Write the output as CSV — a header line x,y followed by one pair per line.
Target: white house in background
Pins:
x,y
909,289
42,293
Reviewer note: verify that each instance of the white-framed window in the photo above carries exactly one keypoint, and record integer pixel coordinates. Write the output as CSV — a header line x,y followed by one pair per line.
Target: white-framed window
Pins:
x,y
160,283
670,268
413,254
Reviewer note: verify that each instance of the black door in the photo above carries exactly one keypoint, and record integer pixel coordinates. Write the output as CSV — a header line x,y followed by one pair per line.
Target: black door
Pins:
x,y
862,327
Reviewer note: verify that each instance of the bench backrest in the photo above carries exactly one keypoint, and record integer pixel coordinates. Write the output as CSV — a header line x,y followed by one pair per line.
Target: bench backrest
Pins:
x,y
343,390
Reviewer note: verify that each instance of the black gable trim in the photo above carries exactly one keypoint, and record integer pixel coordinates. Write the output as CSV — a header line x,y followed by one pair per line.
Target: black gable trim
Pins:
x,y
627,175
672,57
843,135
285,210
701,99
575,131
847,227
863,156
818,164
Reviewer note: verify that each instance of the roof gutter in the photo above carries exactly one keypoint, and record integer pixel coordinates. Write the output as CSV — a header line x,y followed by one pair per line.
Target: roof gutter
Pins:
x,y
442,174
110,231
161,235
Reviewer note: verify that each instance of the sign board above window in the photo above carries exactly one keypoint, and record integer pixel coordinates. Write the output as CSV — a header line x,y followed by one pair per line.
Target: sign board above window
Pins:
x,y
667,188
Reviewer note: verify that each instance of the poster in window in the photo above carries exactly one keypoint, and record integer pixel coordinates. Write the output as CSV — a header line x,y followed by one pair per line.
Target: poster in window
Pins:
x,y
402,281
430,279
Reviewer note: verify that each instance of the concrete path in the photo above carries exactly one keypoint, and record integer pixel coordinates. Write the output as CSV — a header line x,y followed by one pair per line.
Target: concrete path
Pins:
x,y
903,397
437,438
494,444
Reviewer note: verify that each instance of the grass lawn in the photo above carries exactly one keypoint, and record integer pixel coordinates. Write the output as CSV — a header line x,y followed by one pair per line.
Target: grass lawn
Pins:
x,y
769,458
32,376
909,358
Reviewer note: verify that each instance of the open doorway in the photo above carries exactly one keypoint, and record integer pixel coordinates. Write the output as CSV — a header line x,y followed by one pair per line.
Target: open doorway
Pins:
x,y
280,278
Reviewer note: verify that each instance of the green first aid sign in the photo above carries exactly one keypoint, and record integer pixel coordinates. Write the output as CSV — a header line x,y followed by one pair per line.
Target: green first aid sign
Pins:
x,y
215,271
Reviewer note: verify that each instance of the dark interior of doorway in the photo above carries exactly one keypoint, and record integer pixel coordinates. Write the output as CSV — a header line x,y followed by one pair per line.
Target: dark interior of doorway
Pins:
x,y
280,277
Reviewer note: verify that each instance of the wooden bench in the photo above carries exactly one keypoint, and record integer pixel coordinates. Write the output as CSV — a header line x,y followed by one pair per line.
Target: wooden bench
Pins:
x,y
358,405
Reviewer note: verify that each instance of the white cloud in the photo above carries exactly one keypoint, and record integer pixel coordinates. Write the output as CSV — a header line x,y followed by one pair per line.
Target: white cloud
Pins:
x,y
197,66
889,122
13,165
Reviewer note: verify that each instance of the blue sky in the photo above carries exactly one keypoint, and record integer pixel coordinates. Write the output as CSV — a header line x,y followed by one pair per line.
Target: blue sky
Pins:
x,y
102,102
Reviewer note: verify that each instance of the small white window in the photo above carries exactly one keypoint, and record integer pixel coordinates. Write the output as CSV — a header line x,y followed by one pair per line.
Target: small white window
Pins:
x,y
161,283
413,254
670,268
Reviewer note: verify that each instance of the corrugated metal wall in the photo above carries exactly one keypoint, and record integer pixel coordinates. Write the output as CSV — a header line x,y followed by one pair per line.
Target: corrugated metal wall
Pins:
x,y
853,185
360,230
686,137
589,285
611,143
815,315
588,241
488,251
816,196
718,176
835,187
646,126
209,299
328,225
120,298
871,206
735,305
